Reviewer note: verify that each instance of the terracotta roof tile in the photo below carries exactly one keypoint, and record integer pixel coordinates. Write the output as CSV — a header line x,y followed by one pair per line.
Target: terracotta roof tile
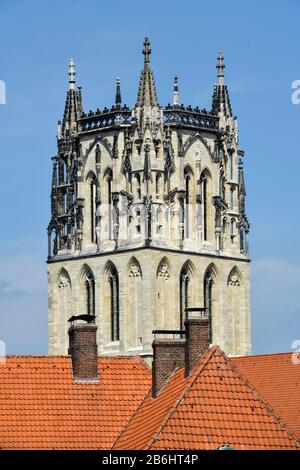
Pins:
x,y
42,408
278,380
216,405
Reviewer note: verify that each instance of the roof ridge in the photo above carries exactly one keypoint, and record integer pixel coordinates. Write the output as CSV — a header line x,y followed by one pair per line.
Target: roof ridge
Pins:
x,y
37,356
193,377
270,410
67,356
261,355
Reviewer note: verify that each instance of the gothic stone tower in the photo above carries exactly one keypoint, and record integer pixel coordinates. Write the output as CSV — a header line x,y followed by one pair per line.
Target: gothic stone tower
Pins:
x,y
148,218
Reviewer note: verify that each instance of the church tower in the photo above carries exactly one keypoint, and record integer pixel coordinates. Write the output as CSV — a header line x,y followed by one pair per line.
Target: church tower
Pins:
x,y
148,218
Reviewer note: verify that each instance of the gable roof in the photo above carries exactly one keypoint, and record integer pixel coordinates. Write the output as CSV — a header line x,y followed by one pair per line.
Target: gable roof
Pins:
x,y
41,407
216,405
278,380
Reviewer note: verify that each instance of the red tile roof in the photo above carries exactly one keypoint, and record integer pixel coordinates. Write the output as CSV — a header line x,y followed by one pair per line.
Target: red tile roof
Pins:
x,y
278,380
41,407
216,405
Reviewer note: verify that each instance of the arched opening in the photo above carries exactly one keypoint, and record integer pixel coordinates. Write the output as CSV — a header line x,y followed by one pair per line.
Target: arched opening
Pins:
x,y
232,230
113,280
90,294
88,290
109,203
91,206
231,166
185,290
134,305
234,310
189,200
209,291
64,305
224,234
231,198
137,185
162,311
107,209
205,183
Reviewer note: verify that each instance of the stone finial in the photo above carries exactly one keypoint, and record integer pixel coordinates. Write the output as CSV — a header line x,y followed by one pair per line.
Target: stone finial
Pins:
x,y
147,50
220,68
176,92
72,74
118,100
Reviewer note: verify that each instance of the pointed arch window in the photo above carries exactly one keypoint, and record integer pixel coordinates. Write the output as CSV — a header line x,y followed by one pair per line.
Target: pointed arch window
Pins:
x,y
208,286
90,294
107,198
135,301
92,207
188,180
137,180
163,308
109,179
184,294
187,203
232,234
231,198
113,280
231,166
205,211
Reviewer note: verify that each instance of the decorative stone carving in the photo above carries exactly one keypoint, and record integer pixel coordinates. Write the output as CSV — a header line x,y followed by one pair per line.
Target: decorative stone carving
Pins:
x,y
234,279
163,270
64,280
135,270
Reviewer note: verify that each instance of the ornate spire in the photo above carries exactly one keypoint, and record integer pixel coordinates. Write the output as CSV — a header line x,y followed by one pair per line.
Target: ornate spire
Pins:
x,y
221,102
73,106
147,93
118,100
176,92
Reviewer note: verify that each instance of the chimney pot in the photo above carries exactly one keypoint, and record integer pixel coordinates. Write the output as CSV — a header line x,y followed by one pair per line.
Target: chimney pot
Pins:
x,y
84,352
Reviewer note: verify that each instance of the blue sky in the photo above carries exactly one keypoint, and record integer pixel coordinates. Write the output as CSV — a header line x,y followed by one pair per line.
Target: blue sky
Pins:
x,y
260,41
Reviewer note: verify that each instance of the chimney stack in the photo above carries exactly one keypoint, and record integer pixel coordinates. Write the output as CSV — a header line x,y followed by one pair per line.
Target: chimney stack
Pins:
x,y
84,352
168,355
197,337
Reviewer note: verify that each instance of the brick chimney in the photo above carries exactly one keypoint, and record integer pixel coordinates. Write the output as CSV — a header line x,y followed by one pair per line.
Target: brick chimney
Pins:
x,y
197,330
168,355
84,352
